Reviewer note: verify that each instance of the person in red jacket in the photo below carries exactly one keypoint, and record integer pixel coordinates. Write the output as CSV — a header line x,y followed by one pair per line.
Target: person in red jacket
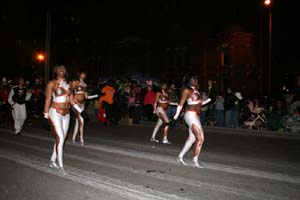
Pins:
x,y
4,105
149,100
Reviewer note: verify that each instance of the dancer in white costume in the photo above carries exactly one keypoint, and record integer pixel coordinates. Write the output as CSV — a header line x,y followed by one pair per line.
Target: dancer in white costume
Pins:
x,y
192,97
160,106
80,95
58,98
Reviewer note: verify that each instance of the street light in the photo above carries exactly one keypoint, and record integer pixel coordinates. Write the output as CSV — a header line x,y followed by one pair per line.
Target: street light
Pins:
x,y
40,57
267,4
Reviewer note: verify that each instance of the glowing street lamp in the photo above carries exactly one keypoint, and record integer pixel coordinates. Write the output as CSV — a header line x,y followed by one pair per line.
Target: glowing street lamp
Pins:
x,y
40,57
267,2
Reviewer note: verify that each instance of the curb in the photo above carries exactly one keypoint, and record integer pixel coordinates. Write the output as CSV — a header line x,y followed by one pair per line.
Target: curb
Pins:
x,y
224,130
220,130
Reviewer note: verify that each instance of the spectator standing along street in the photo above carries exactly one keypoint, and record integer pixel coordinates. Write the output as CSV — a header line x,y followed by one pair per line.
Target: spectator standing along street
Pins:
x,y
107,100
5,108
17,97
173,103
149,101
232,105
219,109
204,110
212,93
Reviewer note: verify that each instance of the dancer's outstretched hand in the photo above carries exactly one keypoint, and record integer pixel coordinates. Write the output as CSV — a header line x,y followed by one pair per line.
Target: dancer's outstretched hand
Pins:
x,y
206,101
175,117
45,121
46,115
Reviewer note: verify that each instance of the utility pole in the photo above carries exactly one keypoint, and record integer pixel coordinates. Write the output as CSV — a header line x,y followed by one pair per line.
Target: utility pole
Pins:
x,y
270,52
48,41
267,4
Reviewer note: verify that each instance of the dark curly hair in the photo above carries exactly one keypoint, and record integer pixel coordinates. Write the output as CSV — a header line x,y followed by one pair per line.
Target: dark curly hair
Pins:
x,y
188,77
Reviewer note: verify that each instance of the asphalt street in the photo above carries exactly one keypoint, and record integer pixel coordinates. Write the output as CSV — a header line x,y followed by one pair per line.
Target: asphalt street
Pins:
x,y
120,162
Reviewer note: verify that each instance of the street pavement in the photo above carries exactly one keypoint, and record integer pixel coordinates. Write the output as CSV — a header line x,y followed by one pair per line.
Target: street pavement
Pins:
x,y
119,162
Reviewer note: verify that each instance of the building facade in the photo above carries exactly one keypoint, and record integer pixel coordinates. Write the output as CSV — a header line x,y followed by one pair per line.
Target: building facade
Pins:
x,y
232,60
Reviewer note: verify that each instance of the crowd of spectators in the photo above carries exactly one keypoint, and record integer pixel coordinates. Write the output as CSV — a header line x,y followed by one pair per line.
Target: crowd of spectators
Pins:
x,y
132,101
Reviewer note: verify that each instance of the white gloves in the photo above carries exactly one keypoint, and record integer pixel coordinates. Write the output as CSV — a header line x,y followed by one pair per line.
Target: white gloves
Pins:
x,y
206,101
46,115
154,111
178,110
93,96
77,108
154,108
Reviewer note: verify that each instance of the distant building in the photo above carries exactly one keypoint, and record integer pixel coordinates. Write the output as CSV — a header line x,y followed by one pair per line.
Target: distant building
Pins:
x,y
232,60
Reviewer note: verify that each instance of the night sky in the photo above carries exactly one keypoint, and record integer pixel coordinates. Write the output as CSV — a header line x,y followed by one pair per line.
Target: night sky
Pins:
x,y
93,25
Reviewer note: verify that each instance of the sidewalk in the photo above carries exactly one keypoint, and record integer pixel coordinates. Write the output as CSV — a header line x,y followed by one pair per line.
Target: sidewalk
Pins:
x,y
224,130
38,123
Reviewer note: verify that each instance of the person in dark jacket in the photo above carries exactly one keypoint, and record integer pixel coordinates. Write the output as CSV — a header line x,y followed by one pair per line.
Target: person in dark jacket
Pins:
x,y
17,97
232,107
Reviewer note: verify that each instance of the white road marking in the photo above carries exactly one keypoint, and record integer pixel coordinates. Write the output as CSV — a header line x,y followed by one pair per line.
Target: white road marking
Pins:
x,y
177,179
211,166
115,187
